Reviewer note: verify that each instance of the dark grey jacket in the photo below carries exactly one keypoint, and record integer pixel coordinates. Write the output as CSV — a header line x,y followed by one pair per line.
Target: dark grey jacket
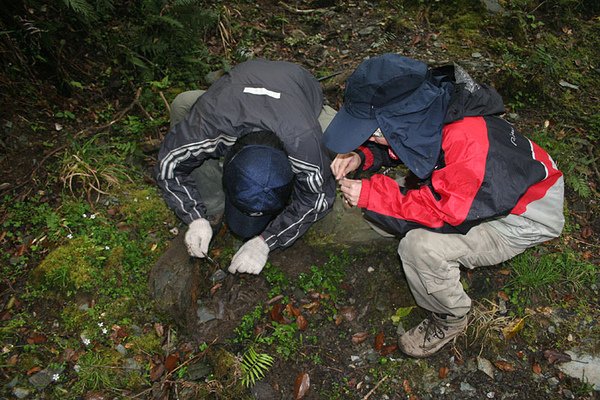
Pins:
x,y
256,95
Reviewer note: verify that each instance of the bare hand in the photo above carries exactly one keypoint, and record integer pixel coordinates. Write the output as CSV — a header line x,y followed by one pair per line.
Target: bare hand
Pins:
x,y
344,164
351,190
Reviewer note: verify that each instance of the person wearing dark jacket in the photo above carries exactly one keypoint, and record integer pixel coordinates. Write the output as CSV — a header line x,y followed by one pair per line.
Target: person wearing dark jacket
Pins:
x,y
484,192
264,119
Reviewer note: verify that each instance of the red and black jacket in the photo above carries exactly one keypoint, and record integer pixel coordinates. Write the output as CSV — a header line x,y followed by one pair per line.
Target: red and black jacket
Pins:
x,y
486,170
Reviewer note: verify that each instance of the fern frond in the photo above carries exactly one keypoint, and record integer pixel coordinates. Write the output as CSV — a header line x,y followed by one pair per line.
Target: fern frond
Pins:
x,y
81,7
254,366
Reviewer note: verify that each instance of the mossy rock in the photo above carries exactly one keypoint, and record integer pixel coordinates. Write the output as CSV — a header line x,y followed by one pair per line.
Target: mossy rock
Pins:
x,y
69,268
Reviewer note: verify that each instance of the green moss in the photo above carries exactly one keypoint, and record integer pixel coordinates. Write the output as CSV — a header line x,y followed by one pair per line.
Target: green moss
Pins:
x,y
148,343
69,268
145,210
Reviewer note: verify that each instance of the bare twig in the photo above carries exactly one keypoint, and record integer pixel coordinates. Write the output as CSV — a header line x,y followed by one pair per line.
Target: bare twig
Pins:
x,y
162,96
375,388
305,11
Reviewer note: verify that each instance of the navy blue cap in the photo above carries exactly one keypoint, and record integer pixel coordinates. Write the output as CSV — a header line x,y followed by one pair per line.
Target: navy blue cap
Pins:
x,y
397,95
258,181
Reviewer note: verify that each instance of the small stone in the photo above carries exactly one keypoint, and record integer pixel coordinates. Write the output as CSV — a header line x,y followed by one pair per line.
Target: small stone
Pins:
x,y
218,276
490,395
41,379
552,329
205,315
466,387
121,349
366,31
354,358
553,382
20,393
370,269
476,55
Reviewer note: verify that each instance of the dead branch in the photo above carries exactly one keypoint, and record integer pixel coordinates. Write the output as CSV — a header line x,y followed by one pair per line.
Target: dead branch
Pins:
x,y
299,11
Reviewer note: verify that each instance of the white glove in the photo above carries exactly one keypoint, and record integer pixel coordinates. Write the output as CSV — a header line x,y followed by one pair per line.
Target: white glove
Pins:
x,y
198,237
251,257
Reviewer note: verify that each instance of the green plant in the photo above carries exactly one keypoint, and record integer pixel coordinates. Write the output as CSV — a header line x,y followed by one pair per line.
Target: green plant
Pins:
x,y
284,338
540,274
245,330
93,168
254,366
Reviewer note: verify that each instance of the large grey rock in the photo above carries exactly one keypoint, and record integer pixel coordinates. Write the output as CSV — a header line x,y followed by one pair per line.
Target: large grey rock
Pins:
x,y
585,367
346,225
181,288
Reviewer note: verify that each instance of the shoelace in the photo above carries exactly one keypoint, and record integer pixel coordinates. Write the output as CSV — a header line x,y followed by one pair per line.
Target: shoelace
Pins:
x,y
433,328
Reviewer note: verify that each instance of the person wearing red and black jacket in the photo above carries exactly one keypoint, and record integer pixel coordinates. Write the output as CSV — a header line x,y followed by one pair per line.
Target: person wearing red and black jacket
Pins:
x,y
485,192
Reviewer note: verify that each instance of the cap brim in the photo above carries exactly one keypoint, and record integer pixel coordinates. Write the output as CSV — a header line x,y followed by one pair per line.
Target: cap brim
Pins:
x,y
244,225
345,132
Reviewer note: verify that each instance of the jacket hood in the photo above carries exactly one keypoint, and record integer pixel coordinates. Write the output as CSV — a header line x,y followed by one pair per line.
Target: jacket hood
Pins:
x,y
468,98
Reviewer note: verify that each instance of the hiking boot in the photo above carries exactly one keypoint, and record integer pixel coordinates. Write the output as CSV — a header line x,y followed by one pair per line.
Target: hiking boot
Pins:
x,y
431,335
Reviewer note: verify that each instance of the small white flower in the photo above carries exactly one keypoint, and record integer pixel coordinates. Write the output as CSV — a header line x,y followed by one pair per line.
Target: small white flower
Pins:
x,y
55,377
106,247
104,330
86,341
147,197
93,216
70,236
84,215
100,324
76,367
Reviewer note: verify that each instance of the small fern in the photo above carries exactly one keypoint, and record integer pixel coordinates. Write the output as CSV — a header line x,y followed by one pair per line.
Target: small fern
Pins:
x,y
580,185
254,366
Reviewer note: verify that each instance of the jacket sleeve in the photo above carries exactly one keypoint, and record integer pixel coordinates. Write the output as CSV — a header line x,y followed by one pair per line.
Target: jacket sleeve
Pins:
x,y
312,198
374,156
448,198
183,150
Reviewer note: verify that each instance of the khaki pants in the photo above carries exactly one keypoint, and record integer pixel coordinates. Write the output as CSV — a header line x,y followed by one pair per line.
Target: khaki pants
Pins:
x,y
209,175
431,264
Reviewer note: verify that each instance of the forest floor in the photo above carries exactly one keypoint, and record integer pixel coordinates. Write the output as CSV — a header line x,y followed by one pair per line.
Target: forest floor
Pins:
x,y
327,312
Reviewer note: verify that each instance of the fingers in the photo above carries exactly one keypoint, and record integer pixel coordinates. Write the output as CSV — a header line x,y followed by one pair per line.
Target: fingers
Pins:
x,y
350,189
344,164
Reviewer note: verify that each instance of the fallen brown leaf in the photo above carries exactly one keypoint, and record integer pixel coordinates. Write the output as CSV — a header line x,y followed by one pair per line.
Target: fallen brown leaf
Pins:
x,y
171,362
291,310
301,385
338,319
156,372
504,366
586,232
214,289
359,337
503,295
301,322
13,360
443,373
379,340
276,313
159,329
406,387
312,307
348,312
33,370
37,338
504,271
536,368
513,328
554,356
386,350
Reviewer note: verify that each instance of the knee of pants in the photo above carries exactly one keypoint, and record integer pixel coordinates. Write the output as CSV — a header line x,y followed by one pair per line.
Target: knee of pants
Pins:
x,y
182,104
415,246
